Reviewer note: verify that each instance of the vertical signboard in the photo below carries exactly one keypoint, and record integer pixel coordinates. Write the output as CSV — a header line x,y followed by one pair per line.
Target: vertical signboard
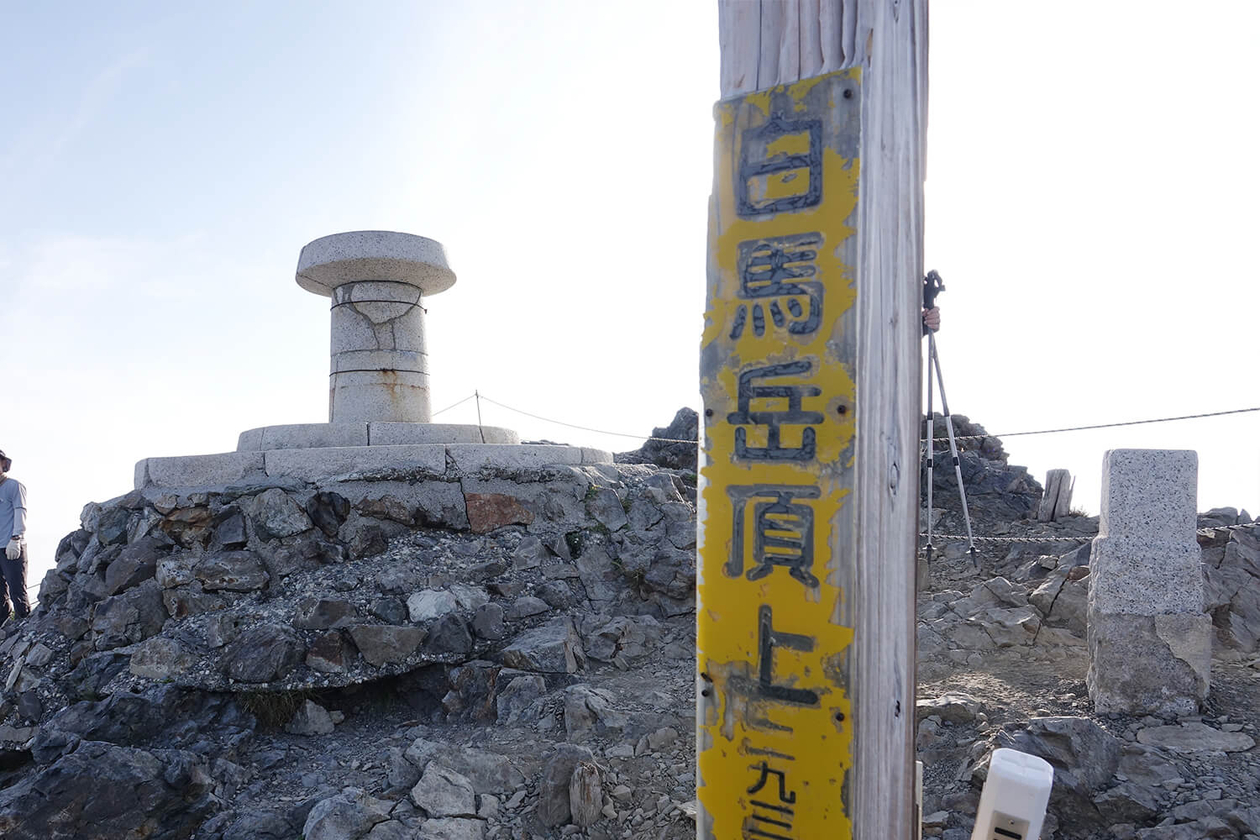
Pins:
x,y
777,539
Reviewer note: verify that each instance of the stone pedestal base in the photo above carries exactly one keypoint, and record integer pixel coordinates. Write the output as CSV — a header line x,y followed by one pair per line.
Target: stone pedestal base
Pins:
x,y
1149,664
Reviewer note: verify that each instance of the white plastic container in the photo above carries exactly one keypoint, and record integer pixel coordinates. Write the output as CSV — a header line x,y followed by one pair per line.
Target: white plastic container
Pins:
x,y
1016,793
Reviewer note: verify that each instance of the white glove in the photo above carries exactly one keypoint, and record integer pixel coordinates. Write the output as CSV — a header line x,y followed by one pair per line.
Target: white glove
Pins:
x,y
13,550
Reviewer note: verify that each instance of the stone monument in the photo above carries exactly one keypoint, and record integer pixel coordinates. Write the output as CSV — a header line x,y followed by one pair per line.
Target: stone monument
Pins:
x,y
378,396
1150,642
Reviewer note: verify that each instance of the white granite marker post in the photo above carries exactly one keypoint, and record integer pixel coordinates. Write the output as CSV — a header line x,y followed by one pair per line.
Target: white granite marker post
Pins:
x,y
376,280
1150,642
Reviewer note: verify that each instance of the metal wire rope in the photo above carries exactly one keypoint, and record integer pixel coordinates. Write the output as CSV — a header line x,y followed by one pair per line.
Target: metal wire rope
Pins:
x,y
1100,425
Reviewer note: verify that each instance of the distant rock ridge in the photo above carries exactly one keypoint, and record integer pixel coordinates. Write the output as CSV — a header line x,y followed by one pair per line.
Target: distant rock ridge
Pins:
x,y
673,447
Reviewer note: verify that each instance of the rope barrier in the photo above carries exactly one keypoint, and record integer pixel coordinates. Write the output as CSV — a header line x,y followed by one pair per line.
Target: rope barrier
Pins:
x,y
454,405
586,428
963,538
934,437
1206,532
1100,425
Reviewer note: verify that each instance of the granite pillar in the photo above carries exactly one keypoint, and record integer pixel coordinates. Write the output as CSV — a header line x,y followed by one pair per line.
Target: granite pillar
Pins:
x,y
1149,640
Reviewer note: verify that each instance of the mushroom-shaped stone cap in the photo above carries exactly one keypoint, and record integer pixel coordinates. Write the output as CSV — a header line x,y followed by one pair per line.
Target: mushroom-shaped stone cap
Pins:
x,y
360,255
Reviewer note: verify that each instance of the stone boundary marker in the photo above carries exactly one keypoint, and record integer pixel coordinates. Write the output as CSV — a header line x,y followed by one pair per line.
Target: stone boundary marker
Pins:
x,y
379,385
1149,640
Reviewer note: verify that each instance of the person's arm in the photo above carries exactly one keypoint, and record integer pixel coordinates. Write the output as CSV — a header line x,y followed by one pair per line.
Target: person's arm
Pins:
x,y
19,511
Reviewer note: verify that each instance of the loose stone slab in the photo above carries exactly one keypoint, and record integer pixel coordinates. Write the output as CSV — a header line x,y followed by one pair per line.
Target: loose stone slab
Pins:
x,y
1149,640
470,458
591,457
1194,737
304,436
198,470
318,464
393,434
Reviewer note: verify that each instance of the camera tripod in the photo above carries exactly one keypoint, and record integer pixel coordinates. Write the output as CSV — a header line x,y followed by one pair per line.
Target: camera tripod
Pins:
x,y
932,286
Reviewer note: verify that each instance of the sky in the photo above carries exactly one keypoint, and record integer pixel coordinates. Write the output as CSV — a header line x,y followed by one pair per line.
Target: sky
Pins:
x,y
1090,204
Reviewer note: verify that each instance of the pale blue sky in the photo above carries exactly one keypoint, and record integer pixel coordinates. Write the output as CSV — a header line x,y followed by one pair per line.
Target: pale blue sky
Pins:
x,y
1090,204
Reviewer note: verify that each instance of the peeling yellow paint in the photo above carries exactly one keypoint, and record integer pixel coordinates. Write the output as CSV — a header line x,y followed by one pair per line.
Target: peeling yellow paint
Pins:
x,y
787,712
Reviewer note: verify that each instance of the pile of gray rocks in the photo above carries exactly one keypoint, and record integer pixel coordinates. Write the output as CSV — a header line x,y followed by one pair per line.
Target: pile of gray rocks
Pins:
x,y
1002,662
401,656
388,656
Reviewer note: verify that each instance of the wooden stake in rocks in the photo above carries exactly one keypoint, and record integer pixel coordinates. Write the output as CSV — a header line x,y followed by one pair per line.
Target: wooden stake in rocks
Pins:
x,y
810,375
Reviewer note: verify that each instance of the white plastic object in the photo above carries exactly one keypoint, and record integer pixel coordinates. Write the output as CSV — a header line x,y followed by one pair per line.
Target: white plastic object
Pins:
x,y
918,796
1013,803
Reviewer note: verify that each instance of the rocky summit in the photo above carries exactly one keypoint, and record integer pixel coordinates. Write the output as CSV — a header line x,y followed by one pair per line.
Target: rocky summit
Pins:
x,y
397,655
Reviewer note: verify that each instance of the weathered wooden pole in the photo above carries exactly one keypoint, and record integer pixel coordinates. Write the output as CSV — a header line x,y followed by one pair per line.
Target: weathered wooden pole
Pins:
x,y
810,380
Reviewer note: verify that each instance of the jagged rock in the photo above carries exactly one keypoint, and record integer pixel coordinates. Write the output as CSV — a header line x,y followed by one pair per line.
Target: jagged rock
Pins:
x,y
390,830
324,614
666,451
160,658
365,537
527,605
442,792
329,653
383,644
389,610
554,807
587,708
275,515
471,696
430,604
261,824
489,773
1130,802
954,707
1194,737
347,816
452,828
1084,755
262,654
190,600
598,576
101,791
586,794
111,528
488,623
513,701
237,571
605,505
624,640
555,647
530,554
134,565
129,617
449,634
310,719
328,511
489,511
229,529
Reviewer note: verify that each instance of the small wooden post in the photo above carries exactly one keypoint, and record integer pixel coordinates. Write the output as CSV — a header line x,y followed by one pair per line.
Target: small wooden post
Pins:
x,y
1056,501
810,378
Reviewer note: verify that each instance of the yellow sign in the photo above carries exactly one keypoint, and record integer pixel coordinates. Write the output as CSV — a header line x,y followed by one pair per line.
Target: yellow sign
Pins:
x,y
777,534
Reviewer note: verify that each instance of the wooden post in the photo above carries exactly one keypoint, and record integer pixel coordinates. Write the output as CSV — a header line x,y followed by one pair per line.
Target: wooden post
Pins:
x,y
1056,501
810,379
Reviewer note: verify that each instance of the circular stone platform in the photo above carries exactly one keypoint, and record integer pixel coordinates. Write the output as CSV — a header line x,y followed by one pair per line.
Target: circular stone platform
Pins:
x,y
318,435
379,394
